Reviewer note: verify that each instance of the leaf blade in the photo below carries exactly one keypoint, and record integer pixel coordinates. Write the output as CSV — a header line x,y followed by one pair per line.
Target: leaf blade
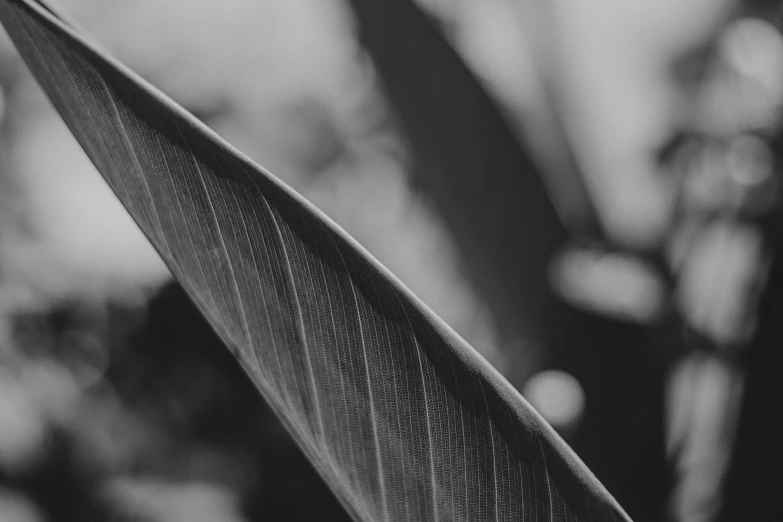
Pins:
x,y
484,182
368,381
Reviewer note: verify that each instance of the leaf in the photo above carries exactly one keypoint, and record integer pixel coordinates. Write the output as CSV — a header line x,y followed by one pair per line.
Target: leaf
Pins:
x,y
402,419
482,181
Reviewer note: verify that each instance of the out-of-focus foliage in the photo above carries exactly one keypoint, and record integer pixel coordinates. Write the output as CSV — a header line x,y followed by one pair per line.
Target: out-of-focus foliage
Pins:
x,y
461,167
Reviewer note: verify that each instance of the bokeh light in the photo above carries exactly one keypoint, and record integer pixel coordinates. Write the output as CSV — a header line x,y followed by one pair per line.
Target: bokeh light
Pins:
x,y
557,396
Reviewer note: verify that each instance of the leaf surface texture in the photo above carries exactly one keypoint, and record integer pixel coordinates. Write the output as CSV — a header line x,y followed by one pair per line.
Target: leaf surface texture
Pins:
x,y
399,415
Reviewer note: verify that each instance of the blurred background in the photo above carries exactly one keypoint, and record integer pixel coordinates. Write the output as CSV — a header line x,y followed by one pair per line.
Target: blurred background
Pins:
x,y
588,192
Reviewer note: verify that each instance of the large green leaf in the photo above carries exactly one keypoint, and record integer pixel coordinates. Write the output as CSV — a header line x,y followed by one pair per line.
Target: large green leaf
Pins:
x,y
402,419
